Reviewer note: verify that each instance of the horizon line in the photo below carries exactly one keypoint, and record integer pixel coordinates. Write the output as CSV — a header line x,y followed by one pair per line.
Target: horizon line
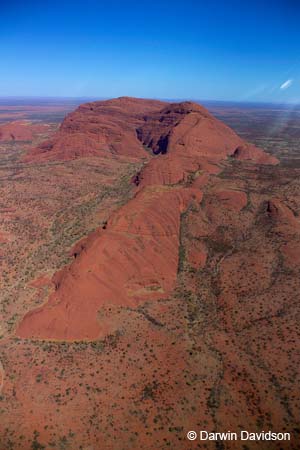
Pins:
x,y
167,99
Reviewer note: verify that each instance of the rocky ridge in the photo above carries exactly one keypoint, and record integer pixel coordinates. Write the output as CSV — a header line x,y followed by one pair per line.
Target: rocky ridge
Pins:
x,y
135,258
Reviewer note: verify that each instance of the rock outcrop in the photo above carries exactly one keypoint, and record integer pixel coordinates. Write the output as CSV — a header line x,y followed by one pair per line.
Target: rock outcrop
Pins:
x,y
21,130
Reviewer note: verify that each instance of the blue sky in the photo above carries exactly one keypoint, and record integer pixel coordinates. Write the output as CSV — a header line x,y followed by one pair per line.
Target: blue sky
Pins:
x,y
218,50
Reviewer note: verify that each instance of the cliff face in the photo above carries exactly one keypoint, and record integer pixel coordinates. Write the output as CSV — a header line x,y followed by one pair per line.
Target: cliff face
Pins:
x,y
135,259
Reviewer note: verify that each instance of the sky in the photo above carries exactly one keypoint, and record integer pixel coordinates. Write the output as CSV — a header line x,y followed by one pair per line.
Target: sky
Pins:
x,y
211,50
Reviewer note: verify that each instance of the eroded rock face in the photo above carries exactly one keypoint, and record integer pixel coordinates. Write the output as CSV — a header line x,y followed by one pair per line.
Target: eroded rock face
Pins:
x,y
135,258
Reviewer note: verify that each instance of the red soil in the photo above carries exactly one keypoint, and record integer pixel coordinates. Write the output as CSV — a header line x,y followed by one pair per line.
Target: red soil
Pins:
x,y
4,237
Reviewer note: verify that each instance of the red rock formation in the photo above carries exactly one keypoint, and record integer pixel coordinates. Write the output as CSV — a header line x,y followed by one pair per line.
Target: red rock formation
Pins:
x,y
21,130
249,152
124,125
135,258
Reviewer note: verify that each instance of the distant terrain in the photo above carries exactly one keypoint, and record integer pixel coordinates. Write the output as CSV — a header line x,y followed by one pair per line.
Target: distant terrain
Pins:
x,y
36,109
149,260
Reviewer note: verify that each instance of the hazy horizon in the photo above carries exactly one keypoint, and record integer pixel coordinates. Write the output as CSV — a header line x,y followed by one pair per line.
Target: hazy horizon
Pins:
x,y
50,98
